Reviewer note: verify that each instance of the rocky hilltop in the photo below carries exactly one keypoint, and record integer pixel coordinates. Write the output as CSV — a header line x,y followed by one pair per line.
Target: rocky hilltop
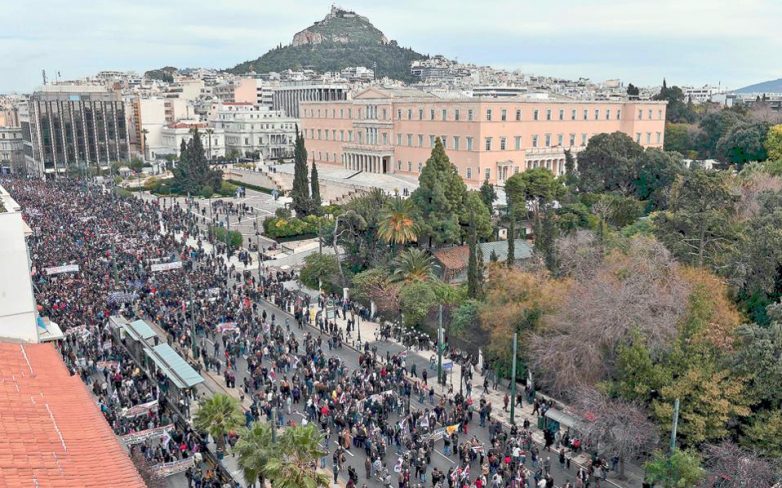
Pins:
x,y
342,39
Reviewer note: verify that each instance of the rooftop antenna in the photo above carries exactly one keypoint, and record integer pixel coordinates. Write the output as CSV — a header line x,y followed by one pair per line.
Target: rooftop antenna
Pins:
x,y
43,74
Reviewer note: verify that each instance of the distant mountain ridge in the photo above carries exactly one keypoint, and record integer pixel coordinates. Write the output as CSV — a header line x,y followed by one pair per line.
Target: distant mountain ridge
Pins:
x,y
341,40
772,86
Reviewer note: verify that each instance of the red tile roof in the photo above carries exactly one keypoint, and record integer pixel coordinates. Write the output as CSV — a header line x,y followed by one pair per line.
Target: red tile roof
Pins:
x,y
52,433
453,258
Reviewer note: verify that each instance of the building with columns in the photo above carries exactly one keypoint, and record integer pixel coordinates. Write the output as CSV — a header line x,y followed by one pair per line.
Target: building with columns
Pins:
x,y
288,98
384,130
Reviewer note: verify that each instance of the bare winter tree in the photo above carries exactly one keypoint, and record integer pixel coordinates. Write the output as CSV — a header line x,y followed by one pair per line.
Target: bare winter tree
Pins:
x,y
618,427
579,254
735,467
638,290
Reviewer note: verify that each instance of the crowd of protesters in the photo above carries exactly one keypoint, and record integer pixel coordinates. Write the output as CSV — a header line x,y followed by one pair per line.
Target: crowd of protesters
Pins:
x,y
208,307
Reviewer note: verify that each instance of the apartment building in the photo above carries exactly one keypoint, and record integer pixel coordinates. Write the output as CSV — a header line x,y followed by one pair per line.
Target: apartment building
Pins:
x,y
11,150
393,131
171,137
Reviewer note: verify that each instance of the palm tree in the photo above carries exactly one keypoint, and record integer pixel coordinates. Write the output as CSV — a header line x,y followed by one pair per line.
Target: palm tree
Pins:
x,y
255,449
295,464
218,415
397,223
413,265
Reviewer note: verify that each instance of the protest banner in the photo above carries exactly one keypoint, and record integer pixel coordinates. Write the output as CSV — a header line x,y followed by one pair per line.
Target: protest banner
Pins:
x,y
143,435
68,268
166,266
174,467
141,409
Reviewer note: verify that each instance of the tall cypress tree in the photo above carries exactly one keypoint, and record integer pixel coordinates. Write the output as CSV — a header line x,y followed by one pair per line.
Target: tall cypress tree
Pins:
x,y
315,200
193,173
475,262
511,238
301,188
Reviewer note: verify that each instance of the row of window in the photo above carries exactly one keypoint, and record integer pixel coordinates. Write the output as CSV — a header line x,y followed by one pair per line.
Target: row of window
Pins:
x,y
372,112
454,143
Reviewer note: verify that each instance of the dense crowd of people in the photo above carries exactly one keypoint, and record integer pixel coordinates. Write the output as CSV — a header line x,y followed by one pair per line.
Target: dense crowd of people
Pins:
x,y
380,407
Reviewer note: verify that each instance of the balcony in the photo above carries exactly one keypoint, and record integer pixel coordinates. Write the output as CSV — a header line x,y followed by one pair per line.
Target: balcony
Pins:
x,y
368,148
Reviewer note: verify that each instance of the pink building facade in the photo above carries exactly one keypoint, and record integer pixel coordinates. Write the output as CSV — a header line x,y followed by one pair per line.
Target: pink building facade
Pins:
x,y
393,131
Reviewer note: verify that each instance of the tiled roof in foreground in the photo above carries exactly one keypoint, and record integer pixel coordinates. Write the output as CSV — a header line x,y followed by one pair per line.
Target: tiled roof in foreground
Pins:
x,y
52,433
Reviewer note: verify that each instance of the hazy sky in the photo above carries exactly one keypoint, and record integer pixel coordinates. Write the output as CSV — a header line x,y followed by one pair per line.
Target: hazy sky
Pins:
x,y
639,41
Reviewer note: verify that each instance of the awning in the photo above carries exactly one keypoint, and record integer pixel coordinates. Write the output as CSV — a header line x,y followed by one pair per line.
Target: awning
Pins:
x,y
563,418
174,366
140,330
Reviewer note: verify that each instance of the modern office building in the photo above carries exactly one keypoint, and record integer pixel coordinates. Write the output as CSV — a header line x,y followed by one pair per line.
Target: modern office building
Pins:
x,y
393,131
73,127
11,150
287,98
250,128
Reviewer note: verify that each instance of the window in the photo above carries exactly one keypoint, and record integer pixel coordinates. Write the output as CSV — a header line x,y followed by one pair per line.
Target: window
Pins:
x,y
420,114
333,116
420,140
658,137
398,165
456,114
548,140
431,114
597,114
469,173
444,140
445,114
608,114
488,114
504,115
333,134
469,143
548,114
640,115
342,135
385,138
488,143
648,137
361,137
561,114
409,140
487,173
618,114
650,114
535,141
420,166
455,143
410,166
409,114
517,143
573,114
399,117
342,113
518,114
318,134
638,137
431,141
350,113
586,114
399,139
502,143
469,114
583,139
560,139
572,140
535,115
659,115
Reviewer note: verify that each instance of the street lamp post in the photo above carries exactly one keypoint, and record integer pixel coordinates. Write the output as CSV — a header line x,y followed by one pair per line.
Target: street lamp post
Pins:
x,y
513,384
440,347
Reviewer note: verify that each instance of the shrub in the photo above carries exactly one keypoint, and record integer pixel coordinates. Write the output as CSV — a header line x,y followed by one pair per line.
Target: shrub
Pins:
x,y
234,237
206,191
321,269
152,184
227,189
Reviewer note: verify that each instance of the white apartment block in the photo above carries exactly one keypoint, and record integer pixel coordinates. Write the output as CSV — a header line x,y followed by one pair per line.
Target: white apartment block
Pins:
x,y
251,128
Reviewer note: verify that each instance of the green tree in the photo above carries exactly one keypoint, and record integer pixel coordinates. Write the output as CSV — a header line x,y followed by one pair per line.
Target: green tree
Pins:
x,y
398,225
255,449
758,359
416,299
764,434
698,228
678,138
413,265
571,175
218,415
474,267
320,270
465,317
300,193
476,213
677,110
192,174
657,170
609,163
713,126
774,142
744,143
440,199
315,189
294,464
682,469
489,194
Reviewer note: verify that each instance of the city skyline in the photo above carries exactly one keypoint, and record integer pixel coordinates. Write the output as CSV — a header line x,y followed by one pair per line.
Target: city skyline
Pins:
x,y
692,42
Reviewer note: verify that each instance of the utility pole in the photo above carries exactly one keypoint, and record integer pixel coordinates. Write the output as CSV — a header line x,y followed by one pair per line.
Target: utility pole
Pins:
x,y
274,425
675,425
440,347
513,383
